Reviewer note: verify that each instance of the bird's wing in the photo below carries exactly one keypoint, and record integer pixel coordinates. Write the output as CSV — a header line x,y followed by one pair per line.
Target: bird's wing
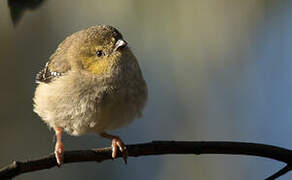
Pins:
x,y
47,74
57,65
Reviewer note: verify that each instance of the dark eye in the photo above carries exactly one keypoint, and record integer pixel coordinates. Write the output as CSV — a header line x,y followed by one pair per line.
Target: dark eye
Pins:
x,y
99,53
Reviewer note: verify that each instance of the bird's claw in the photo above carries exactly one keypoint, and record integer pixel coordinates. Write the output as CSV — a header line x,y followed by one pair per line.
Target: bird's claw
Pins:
x,y
59,153
118,143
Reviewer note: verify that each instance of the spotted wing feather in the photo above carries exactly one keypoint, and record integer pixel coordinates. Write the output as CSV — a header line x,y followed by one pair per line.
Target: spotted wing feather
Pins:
x,y
46,75
58,63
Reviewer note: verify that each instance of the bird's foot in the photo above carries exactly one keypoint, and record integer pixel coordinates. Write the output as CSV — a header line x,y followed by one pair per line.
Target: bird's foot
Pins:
x,y
118,143
59,153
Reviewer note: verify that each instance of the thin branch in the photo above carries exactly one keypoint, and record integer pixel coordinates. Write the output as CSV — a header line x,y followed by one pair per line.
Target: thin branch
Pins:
x,y
281,172
153,148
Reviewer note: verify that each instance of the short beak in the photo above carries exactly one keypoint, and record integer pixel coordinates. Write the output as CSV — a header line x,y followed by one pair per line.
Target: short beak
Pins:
x,y
120,44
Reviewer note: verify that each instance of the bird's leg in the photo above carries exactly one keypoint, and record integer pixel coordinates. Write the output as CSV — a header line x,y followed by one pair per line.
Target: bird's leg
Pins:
x,y
59,148
116,143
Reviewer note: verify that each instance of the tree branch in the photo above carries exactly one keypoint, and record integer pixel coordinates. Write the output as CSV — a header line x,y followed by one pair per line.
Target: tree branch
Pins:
x,y
281,172
154,148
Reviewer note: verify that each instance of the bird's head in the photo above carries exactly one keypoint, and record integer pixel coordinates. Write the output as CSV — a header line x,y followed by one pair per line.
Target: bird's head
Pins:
x,y
100,50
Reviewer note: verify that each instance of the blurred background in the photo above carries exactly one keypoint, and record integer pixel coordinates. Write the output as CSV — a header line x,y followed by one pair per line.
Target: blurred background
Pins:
x,y
216,70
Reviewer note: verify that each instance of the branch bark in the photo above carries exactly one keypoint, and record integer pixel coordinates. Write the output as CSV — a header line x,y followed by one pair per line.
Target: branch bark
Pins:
x,y
155,148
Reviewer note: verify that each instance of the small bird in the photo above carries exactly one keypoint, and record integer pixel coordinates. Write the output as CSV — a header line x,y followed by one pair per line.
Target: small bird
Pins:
x,y
91,84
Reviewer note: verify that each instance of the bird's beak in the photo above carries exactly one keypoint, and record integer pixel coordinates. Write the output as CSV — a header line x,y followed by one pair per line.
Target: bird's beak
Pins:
x,y
120,44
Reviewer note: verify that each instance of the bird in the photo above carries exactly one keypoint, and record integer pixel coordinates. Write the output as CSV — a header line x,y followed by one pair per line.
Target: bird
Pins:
x,y
91,84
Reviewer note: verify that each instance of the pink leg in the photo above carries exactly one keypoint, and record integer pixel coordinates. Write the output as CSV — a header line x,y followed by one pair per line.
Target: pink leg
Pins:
x,y
59,148
116,143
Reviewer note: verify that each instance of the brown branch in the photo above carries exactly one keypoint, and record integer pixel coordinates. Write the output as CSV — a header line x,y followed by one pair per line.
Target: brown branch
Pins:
x,y
154,148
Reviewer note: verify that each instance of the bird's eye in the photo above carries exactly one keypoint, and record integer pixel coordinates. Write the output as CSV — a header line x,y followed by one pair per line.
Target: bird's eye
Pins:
x,y
99,53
